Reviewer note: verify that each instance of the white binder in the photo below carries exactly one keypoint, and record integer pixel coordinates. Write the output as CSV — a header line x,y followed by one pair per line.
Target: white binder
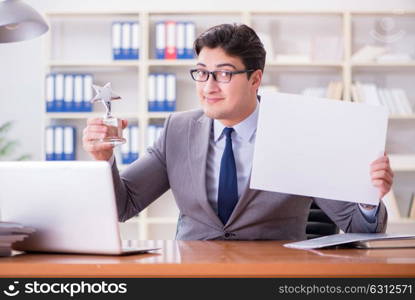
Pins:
x,y
58,145
134,137
69,143
190,37
170,92
135,40
116,40
87,92
49,143
151,135
125,40
50,92
68,98
78,92
180,38
125,148
152,92
160,40
161,91
59,91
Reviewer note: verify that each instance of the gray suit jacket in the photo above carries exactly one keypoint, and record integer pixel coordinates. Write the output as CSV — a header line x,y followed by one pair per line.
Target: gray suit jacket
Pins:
x,y
178,161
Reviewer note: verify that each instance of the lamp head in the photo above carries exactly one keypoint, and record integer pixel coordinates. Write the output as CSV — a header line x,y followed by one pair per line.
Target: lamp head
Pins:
x,y
19,22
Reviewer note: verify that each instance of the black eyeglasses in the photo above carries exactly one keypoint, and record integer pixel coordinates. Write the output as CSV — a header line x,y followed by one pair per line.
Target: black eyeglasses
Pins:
x,y
223,76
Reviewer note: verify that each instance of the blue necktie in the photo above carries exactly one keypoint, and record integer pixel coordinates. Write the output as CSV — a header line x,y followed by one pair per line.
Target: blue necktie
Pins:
x,y
228,184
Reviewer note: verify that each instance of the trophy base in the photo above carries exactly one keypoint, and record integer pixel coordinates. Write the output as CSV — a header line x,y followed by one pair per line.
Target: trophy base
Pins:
x,y
115,141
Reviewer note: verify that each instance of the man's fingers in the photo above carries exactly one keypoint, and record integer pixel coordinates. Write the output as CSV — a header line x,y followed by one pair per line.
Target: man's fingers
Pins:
x,y
91,147
382,175
382,159
124,123
380,166
89,136
96,128
94,121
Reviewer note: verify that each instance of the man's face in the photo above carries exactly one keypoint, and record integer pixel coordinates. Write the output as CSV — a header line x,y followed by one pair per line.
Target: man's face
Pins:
x,y
228,102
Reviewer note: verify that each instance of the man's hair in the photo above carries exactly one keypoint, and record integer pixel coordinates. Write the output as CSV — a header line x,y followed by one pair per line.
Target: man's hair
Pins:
x,y
236,40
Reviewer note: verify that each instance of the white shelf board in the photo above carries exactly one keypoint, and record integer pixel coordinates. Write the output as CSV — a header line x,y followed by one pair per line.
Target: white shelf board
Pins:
x,y
97,64
158,115
402,116
402,162
86,115
171,62
274,63
409,64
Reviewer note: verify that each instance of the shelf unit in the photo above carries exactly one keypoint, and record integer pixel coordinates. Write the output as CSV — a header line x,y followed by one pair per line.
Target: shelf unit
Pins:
x,y
75,29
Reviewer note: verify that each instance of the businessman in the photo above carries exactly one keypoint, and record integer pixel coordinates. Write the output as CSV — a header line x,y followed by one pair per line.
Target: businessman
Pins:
x,y
205,157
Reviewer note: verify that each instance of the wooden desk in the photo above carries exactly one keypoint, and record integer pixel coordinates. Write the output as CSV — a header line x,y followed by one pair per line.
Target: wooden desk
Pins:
x,y
218,259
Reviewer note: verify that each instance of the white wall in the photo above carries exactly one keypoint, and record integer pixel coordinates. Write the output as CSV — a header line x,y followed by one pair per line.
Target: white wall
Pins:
x,y
21,64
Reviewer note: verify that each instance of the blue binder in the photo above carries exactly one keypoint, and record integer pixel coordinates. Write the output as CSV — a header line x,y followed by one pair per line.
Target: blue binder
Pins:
x,y
181,40
135,40
160,40
170,102
69,142
49,143
59,92
50,92
116,40
68,99
190,37
87,80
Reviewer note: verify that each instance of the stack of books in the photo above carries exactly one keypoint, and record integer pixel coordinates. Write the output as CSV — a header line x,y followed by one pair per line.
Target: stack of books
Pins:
x,y
395,99
333,91
11,233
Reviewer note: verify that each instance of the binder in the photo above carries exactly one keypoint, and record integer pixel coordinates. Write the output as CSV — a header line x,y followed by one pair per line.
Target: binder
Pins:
x,y
78,92
180,39
87,93
69,143
49,143
152,92
135,40
160,92
58,143
68,97
50,92
134,138
171,50
160,40
125,148
159,129
190,37
151,135
59,92
116,40
170,103
125,40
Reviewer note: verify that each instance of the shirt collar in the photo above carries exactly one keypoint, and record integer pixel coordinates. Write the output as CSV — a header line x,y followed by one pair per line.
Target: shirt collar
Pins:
x,y
244,129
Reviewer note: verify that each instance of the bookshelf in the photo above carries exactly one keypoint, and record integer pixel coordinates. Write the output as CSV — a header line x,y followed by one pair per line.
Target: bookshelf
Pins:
x,y
81,42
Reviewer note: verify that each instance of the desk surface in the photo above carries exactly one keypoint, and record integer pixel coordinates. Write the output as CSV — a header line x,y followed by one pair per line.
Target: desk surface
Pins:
x,y
218,259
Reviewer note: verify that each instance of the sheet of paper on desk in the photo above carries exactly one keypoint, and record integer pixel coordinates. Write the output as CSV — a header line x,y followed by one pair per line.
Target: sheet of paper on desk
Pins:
x,y
318,147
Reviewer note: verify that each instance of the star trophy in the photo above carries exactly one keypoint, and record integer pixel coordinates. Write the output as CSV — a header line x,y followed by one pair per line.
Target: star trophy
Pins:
x,y
106,95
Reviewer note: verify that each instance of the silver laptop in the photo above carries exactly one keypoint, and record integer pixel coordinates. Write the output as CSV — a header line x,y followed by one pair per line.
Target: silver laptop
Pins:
x,y
70,204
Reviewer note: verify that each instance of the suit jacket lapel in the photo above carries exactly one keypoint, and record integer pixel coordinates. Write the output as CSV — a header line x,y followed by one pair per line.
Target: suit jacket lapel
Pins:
x,y
199,135
243,201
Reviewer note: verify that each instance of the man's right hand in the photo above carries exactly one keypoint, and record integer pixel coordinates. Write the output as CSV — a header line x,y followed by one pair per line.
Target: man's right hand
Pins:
x,y
96,129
